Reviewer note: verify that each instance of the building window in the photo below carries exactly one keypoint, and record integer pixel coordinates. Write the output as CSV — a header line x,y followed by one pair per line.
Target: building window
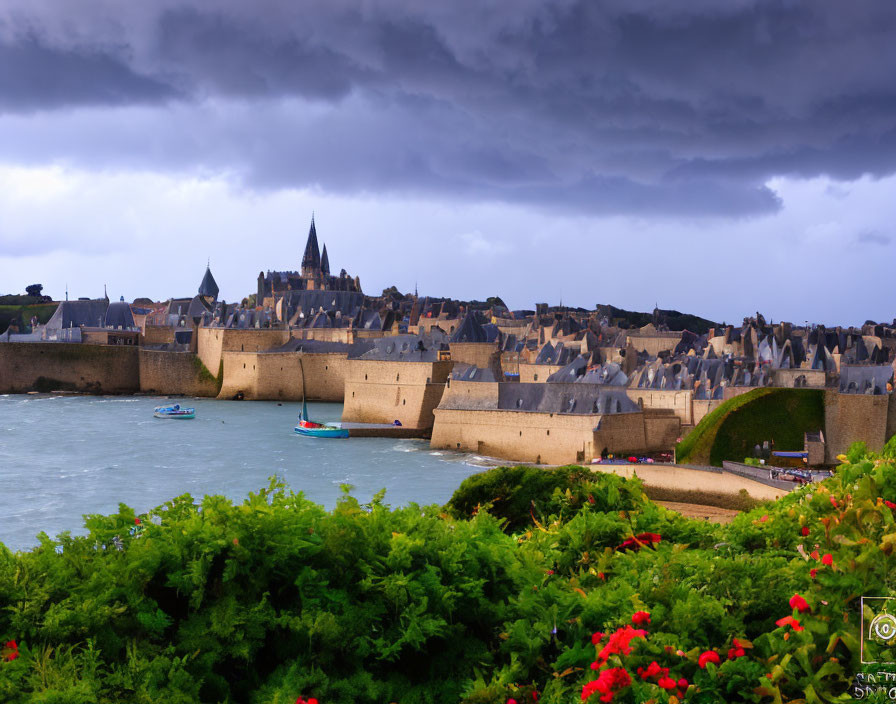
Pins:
x,y
535,378
404,401
365,377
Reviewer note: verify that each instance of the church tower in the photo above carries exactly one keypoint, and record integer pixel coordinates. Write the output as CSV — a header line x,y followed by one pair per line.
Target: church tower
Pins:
x,y
311,258
324,262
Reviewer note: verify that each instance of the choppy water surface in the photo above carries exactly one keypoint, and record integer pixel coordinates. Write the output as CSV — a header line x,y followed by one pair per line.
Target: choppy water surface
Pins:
x,y
65,456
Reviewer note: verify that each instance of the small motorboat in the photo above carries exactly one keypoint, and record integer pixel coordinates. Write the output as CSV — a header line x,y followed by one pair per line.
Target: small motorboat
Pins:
x,y
309,428
174,411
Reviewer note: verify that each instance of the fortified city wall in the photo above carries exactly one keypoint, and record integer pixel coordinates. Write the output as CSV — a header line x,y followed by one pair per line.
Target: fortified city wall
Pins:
x,y
378,391
468,419
484,355
48,366
850,418
211,343
157,335
163,372
277,376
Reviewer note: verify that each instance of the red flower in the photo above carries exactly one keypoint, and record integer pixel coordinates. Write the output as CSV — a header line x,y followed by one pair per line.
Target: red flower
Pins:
x,y
640,617
550,571
804,530
511,701
682,683
736,652
653,669
10,651
797,602
595,665
814,554
602,576
667,683
708,656
534,696
813,572
789,621
312,701
136,521
597,637
889,504
764,518
590,499
827,559
834,502
620,642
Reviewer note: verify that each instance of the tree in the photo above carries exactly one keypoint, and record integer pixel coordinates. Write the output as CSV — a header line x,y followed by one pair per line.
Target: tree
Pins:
x,y
34,290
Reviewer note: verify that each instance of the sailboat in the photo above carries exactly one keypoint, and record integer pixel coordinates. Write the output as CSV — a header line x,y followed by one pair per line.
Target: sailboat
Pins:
x,y
311,429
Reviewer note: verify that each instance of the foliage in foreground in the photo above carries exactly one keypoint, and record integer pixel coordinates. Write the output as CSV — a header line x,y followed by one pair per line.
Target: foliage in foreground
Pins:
x,y
600,594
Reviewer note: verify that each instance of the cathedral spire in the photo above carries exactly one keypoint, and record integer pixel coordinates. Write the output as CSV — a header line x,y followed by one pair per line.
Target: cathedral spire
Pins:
x,y
324,262
311,259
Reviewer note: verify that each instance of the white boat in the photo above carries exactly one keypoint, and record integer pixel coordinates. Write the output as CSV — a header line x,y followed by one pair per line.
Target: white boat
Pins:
x,y
174,411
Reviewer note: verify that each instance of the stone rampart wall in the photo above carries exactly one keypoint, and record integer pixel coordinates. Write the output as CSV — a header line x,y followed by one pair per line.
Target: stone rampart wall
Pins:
x,y
209,345
157,335
479,354
678,401
47,366
174,373
277,376
385,391
850,418
547,438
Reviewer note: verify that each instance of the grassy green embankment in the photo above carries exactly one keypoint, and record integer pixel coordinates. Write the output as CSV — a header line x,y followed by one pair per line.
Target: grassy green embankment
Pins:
x,y
22,314
730,431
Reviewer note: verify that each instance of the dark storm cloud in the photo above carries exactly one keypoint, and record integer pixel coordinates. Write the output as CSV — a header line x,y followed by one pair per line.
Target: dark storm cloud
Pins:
x,y
627,107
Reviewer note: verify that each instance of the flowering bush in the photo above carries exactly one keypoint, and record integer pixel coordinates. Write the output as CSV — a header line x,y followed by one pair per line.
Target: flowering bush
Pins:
x,y
610,598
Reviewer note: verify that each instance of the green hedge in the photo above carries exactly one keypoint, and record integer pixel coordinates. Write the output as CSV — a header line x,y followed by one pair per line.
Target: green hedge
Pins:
x,y
275,598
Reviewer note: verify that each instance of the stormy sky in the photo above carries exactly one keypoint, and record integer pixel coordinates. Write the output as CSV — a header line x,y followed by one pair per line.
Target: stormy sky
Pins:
x,y
718,158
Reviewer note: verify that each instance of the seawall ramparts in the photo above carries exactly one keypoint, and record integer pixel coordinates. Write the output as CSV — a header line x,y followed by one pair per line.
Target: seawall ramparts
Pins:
x,y
175,373
48,366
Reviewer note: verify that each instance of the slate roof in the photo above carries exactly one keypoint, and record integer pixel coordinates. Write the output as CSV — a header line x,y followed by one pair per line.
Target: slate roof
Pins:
x,y
405,348
470,330
118,315
321,347
469,372
208,286
77,313
579,399
865,378
347,301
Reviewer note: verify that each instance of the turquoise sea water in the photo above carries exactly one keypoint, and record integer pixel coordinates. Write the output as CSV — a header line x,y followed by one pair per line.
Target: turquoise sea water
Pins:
x,y
65,456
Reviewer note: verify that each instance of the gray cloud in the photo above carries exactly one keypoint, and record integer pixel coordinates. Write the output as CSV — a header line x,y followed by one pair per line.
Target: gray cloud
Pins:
x,y
618,107
874,237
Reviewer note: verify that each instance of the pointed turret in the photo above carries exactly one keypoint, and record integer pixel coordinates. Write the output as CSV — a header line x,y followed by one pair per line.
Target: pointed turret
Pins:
x,y
311,259
325,262
208,287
